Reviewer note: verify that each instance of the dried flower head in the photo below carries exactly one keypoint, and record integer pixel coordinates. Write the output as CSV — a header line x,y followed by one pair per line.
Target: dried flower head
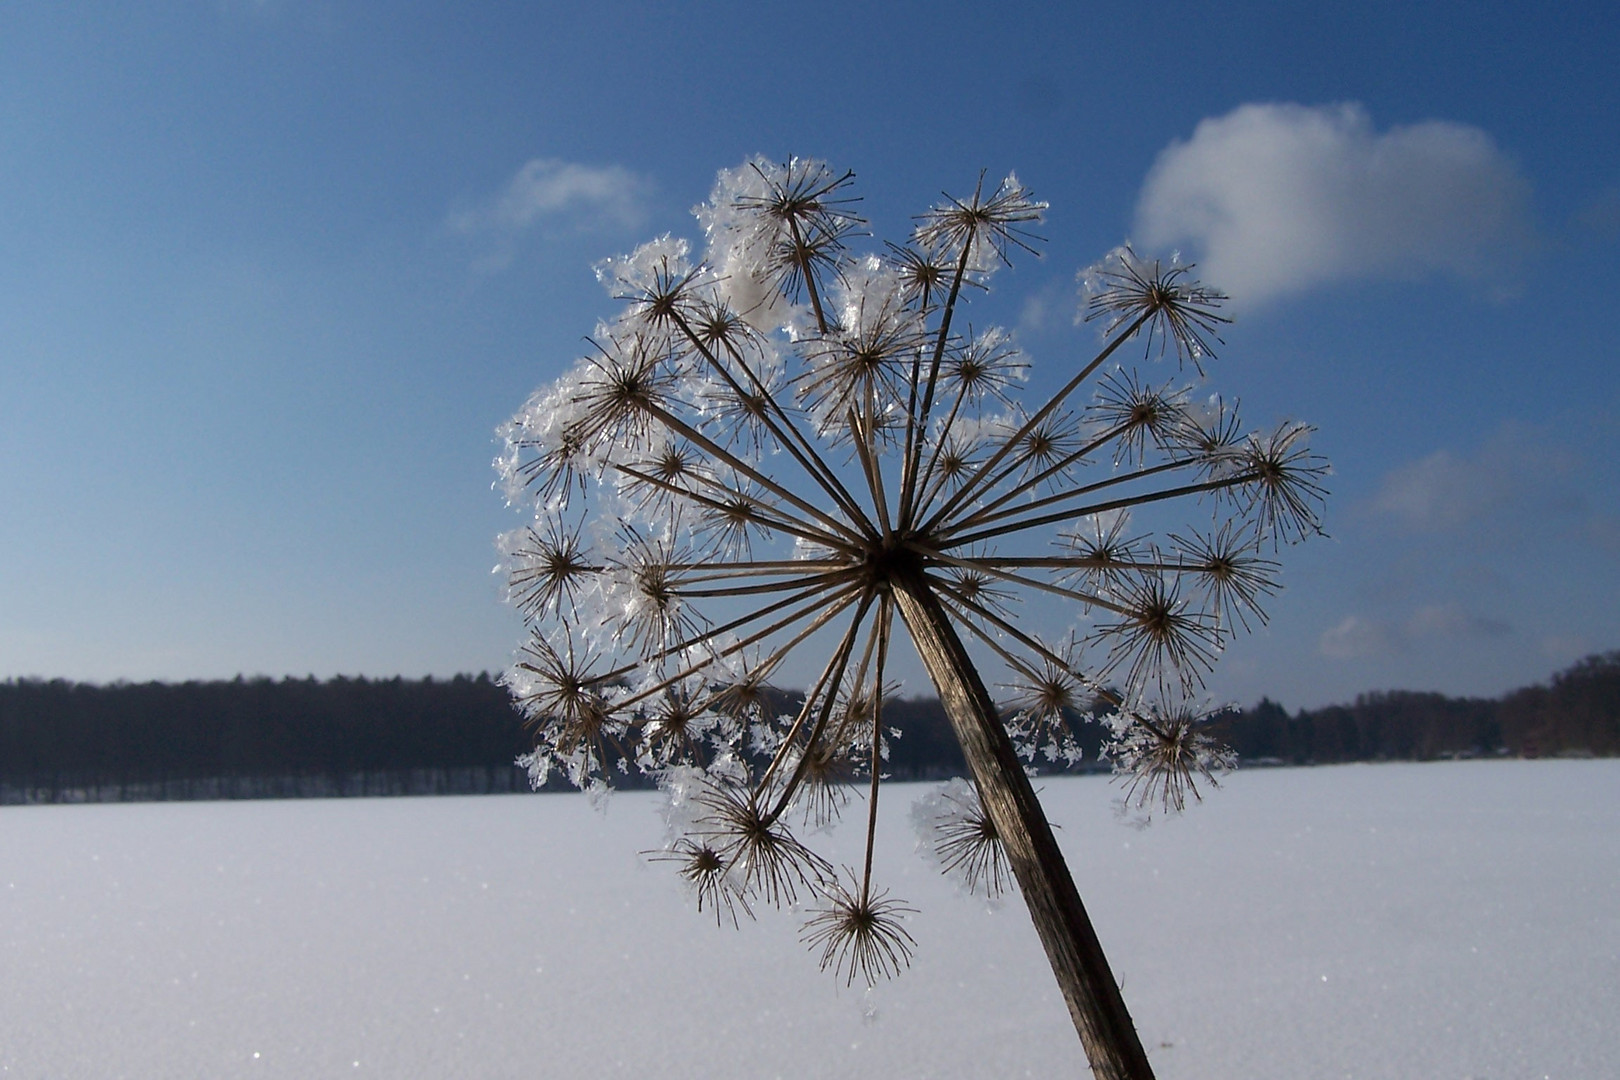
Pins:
x,y
860,934
829,770
1230,571
993,223
953,827
767,860
1159,301
777,444
545,567
708,874
1163,754
1284,489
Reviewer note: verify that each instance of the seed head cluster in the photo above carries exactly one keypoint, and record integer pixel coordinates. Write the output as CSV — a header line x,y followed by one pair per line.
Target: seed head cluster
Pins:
x,y
774,436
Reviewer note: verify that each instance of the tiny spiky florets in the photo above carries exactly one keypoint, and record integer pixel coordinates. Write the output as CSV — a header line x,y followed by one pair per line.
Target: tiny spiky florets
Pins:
x,y
860,934
1158,300
1163,753
768,860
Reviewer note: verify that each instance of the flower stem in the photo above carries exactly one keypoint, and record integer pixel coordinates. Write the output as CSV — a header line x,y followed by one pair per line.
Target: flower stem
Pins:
x,y
1095,1004
885,614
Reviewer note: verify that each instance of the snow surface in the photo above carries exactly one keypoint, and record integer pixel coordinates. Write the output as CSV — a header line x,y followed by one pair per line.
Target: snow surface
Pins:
x,y
1457,920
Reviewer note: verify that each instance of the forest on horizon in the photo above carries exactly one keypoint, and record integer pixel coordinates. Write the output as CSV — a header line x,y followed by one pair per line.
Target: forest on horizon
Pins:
x,y
62,741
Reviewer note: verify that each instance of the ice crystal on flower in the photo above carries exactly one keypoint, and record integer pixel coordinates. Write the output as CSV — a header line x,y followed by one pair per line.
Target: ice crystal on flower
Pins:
x,y
1164,752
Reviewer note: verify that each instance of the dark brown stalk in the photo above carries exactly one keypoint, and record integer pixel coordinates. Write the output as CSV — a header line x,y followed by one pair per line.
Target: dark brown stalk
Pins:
x,y
1095,1004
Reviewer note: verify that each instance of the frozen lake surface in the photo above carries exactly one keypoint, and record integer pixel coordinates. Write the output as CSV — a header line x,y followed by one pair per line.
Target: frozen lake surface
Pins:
x,y
1455,920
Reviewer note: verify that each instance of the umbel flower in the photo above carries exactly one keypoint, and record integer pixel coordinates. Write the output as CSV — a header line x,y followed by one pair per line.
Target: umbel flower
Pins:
x,y
780,446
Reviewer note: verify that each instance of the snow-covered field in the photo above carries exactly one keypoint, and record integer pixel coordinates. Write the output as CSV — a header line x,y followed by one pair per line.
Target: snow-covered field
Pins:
x,y
1403,921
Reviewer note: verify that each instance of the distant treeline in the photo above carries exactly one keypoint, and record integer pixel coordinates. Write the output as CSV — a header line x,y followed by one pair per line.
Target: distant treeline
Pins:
x,y
259,738
1577,713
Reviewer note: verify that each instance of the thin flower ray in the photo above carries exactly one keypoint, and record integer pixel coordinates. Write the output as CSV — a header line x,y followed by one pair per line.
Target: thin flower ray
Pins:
x,y
914,428
1037,648
1092,509
830,611
962,227
990,566
825,682
827,605
782,427
987,516
829,577
680,427
970,613
976,484
1081,562
784,522
1071,459
827,704
881,629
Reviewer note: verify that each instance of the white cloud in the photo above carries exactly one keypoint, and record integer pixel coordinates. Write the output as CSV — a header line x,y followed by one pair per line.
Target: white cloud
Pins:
x,y
1512,474
1440,492
1279,198
1042,308
1451,621
546,188
1356,637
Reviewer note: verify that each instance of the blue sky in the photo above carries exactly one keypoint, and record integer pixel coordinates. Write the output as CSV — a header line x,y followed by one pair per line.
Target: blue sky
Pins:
x,y
273,272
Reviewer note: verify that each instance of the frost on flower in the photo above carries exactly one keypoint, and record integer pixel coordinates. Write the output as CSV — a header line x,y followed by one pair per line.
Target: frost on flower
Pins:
x,y
1164,753
777,443
954,831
